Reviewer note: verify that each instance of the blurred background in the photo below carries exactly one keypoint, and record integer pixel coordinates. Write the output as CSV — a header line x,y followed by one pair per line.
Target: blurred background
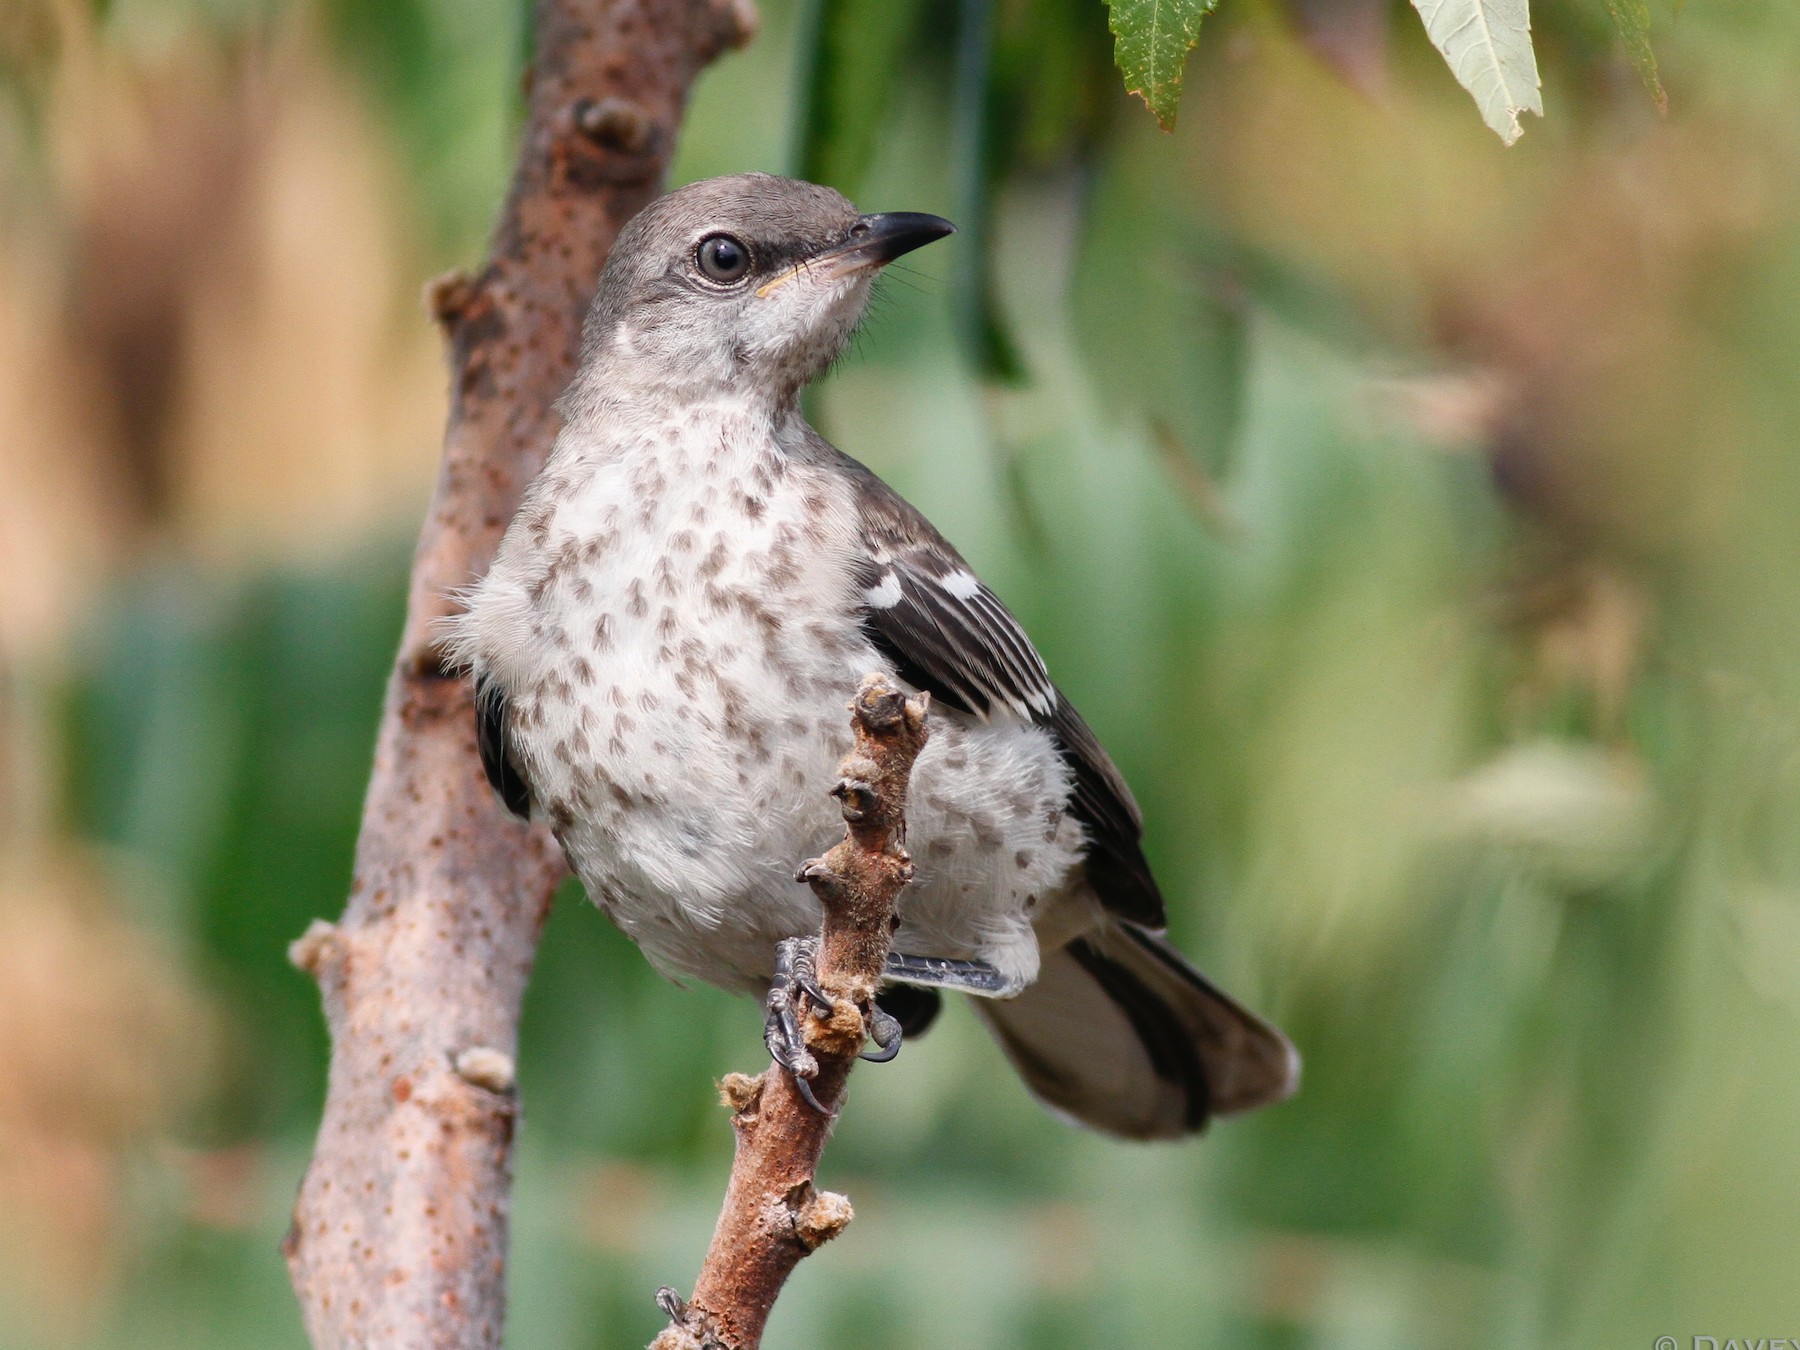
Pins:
x,y
1413,518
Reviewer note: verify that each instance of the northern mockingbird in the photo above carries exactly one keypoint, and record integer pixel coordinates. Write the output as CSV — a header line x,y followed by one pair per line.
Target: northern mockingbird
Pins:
x,y
688,596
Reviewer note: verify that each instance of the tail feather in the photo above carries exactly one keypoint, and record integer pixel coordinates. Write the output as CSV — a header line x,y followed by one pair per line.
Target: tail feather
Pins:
x,y
1120,1032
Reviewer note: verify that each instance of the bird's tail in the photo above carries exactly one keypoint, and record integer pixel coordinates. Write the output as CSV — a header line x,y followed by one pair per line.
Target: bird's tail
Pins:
x,y
1120,1032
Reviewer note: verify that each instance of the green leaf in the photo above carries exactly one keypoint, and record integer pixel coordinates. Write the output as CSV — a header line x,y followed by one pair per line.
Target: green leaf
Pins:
x,y
974,170
851,52
1632,17
1488,46
1153,40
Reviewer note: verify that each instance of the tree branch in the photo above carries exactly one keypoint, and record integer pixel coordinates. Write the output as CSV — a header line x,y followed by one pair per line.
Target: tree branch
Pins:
x,y
773,1215
400,1229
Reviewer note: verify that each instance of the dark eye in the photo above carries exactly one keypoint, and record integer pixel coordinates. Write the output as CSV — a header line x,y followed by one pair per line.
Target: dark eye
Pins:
x,y
723,259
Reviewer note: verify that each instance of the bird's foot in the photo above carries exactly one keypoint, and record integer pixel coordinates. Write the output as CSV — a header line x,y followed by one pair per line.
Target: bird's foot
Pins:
x,y
795,985
796,978
885,1031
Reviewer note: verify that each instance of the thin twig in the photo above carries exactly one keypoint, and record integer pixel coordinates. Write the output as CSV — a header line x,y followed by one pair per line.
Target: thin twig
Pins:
x,y
773,1214
400,1228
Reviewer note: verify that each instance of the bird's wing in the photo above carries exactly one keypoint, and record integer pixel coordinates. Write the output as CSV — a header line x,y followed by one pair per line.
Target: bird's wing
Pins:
x,y
493,738
947,633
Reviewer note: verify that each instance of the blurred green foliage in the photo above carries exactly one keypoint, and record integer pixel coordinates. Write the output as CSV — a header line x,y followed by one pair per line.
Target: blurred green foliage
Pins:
x,y
1532,917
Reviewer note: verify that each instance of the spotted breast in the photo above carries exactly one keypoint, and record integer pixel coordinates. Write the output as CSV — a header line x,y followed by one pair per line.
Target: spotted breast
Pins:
x,y
673,632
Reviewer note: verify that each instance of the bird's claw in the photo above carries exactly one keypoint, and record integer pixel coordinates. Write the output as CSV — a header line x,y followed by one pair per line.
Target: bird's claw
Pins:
x,y
804,1087
815,991
884,1030
795,977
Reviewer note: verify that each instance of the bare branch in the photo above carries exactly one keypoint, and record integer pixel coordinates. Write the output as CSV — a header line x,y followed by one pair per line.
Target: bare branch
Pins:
x,y
773,1214
400,1229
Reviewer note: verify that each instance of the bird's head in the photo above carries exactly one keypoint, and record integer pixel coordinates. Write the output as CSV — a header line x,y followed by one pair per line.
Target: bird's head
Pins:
x,y
746,283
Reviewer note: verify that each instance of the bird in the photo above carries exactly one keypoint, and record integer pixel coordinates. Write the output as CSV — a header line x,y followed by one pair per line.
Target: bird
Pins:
x,y
691,589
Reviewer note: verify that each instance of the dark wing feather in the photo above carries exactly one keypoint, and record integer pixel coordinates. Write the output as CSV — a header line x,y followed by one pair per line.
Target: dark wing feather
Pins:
x,y
962,641
949,634
495,743
1116,864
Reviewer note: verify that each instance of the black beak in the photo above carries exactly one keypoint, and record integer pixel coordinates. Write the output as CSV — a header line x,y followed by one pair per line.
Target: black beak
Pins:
x,y
876,240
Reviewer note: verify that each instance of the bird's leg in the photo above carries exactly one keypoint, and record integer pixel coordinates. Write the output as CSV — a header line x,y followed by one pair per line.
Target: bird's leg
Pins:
x,y
975,977
796,975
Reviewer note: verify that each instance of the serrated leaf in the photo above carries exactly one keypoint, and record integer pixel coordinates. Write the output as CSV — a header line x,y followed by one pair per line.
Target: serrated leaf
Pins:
x,y
1487,44
1632,18
1151,41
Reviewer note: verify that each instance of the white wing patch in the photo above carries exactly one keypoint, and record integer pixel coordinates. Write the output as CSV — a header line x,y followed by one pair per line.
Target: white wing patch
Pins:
x,y
884,594
963,585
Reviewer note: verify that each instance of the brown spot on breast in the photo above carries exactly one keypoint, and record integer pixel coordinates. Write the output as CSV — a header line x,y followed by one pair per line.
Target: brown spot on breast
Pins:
x,y
752,608
647,480
716,558
735,704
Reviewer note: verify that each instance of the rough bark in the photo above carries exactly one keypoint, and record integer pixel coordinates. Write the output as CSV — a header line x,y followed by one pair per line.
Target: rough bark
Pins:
x,y
400,1230
773,1214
